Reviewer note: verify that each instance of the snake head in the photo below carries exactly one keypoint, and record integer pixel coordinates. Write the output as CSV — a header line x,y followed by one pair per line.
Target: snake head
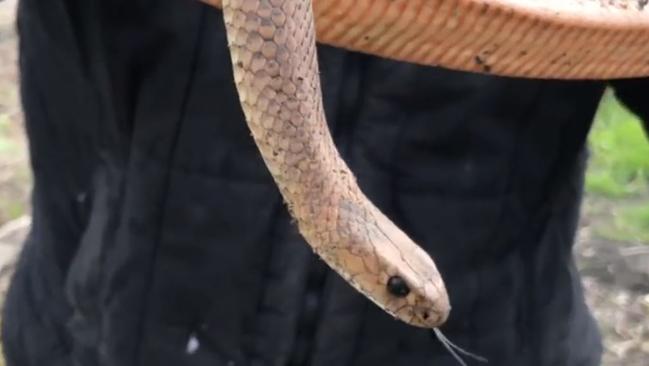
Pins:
x,y
414,290
385,265
421,304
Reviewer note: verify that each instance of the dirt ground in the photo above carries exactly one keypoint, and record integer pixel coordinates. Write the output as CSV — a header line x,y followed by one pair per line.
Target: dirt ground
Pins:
x,y
616,280
615,274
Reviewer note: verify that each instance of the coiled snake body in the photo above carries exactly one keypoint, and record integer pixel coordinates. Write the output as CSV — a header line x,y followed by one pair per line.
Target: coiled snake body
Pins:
x,y
272,46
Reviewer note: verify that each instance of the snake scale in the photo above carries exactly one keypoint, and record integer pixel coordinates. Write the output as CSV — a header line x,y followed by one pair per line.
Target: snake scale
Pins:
x,y
273,50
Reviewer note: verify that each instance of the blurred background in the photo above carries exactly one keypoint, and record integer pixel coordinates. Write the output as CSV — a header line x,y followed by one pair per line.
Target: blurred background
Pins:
x,y
613,241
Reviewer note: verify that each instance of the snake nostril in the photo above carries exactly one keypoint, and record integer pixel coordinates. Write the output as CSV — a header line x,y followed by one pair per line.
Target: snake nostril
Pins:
x,y
425,315
398,287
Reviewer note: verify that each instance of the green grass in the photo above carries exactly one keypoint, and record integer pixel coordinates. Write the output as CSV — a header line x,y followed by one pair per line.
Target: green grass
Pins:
x,y
619,170
619,165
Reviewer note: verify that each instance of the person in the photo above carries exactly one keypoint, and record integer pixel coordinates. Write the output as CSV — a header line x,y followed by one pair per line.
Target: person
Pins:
x,y
160,239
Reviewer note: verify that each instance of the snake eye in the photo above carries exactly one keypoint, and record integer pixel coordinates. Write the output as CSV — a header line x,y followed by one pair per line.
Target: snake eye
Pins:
x,y
398,287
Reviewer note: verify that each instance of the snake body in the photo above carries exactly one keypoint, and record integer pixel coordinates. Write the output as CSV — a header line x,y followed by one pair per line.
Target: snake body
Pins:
x,y
272,46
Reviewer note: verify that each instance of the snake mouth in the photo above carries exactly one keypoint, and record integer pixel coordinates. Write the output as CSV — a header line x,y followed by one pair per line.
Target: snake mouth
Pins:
x,y
426,315
433,311
430,318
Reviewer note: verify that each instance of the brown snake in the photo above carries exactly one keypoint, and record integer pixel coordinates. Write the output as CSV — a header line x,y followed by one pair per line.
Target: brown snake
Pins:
x,y
273,51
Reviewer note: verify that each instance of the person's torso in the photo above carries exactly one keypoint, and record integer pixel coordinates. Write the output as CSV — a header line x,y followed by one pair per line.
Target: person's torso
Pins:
x,y
159,224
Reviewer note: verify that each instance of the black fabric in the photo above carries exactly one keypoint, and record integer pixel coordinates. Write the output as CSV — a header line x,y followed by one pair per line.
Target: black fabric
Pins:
x,y
160,239
630,92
